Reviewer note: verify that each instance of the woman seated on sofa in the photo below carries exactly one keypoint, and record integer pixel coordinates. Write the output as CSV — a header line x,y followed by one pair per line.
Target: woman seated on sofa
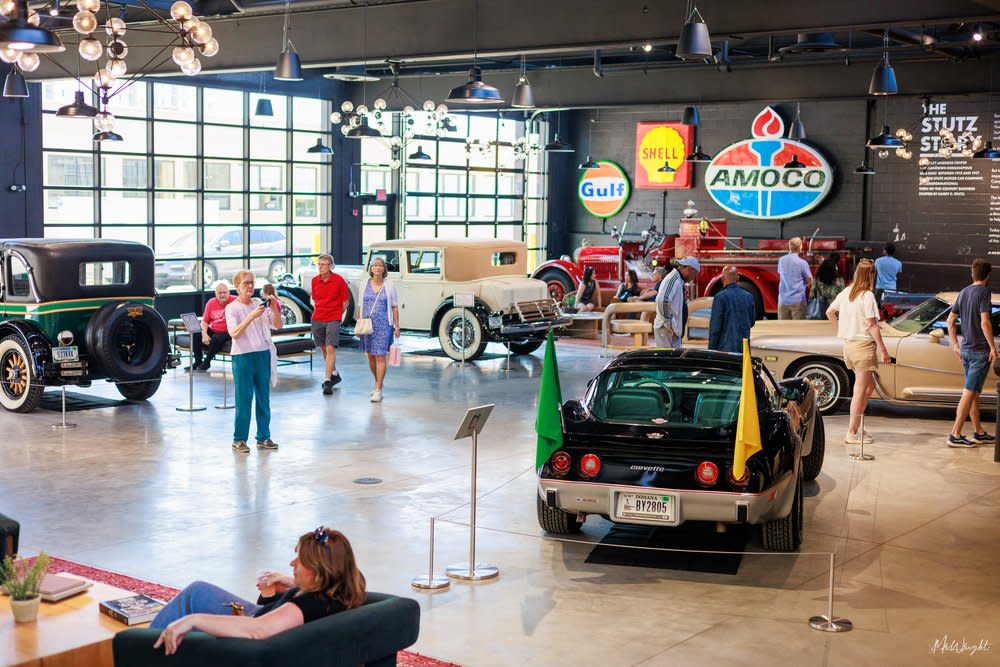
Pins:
x,y
629,289
325,580
588,295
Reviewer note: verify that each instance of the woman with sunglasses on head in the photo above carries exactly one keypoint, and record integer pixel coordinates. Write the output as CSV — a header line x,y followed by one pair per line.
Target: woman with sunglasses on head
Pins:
x,y
863,345
325,580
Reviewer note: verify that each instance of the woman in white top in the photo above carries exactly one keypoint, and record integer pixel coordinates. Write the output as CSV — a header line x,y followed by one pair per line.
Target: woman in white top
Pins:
x,y
863,346
379,302
248,321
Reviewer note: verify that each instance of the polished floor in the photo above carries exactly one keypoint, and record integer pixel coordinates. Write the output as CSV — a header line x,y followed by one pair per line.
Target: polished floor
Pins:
x,y
157,493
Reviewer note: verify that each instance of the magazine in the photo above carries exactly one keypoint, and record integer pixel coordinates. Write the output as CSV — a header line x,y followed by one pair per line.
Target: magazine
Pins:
x,y
133,609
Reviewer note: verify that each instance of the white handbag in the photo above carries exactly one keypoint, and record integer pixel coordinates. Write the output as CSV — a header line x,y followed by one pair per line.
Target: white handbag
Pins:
x,y
363,325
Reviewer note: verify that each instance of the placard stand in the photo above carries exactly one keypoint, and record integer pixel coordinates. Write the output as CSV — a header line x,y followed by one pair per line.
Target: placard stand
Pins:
x,y
472,424
861,456
430,582
225,391
829,622
192,326
62,426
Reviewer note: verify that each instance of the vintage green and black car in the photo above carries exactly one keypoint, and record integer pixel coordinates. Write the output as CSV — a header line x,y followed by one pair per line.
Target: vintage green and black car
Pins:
x,y
74,311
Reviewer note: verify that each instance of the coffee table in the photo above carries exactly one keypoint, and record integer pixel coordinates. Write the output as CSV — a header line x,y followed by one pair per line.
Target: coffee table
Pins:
x,y
68,633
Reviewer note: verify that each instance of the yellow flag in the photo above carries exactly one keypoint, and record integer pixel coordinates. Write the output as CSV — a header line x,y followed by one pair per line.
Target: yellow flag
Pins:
x,y
748,423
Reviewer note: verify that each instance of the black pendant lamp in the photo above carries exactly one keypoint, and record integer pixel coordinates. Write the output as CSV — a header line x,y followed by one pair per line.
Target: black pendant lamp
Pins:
x,y
794,163
812,42
589,163
524,98
557,145
883,78
698,156
885,139
320,148
78,108
288,68
695,42
987,152
15,85
864,169
419,154
691,116
474,91
19,35
264,107
107,135
666,168
798,129
363,131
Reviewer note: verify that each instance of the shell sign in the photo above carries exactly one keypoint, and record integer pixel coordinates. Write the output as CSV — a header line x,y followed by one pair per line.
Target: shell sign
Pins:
x,y
753,179
605,190
659,144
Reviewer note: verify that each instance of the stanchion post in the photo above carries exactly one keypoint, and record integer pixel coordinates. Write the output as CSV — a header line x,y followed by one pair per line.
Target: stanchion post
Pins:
x,y
225,391
861,456
191,406
430,582
474,420
193,329
63,425
830,623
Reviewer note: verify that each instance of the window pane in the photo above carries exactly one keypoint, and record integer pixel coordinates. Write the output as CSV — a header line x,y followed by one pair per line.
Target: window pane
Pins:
x,y
268,144
69,232
69,206
175,173
175,138
175,208
306,178
223,141
303,141
175,102
452,182
123,233
306,240
66,133
130,102
68,169
123,207
222,106
133,133
451,208
308,114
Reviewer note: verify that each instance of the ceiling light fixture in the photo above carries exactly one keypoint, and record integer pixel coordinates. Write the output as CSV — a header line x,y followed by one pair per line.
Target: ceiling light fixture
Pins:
x,y
695,42
22,32
557,145
419,154
977,33
883,78
589,163
474,91
524,98
864,169
691,116
812,42
320,148
78,108
666,168
798,129
15,85
289,68
351,74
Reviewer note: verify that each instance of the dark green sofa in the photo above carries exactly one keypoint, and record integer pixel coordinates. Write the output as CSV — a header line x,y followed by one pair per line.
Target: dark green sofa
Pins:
x,y
369,635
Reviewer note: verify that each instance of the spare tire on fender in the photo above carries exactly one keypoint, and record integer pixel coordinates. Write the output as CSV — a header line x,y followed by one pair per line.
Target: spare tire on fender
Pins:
x,y
127,341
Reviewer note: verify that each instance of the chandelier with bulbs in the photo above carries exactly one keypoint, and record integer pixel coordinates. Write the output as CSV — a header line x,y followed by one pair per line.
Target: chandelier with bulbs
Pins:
x,y
524,146
964,144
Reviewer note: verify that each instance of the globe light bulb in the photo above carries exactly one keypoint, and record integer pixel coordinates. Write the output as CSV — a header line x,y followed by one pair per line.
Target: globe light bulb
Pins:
x,y
395,142
104,121
379,104
408,109
34,18
210,48
117,48
28,61
428,105
180,11
103,78
115,27
7,7
200,33
883,154
362,109
183,54
9,55
347,106
442,109
335,118
117,67
88,5
924,162
344,129
924,180
84,22
90,49
394,164
946,152
192,67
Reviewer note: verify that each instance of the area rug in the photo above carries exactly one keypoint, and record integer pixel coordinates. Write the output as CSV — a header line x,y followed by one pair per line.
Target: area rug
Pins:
x,y
691,536
52,400
165,593
486,356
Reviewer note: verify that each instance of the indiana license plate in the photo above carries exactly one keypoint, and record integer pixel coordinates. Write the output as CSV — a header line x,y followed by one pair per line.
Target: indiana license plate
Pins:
x,y
646,506
65,353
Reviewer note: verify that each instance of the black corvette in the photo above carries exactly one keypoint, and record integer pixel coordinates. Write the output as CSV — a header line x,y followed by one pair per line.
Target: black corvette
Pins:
x,y
652,443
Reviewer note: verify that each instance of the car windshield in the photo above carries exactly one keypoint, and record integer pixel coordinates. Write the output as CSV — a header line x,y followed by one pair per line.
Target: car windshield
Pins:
x,y
696,397
917,319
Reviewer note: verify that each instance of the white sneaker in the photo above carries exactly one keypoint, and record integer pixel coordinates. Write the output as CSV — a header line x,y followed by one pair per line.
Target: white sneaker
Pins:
x,y
853,439
376,396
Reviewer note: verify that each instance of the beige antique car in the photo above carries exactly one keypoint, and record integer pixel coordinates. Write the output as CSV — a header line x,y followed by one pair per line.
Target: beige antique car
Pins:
x,y
924,369
508,306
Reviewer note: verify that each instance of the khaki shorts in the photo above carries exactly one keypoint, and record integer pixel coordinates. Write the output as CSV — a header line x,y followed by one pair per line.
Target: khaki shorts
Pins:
x,y
860,355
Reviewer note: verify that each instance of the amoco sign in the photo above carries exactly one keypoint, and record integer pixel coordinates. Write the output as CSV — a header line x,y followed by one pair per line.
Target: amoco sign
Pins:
x,y
753,179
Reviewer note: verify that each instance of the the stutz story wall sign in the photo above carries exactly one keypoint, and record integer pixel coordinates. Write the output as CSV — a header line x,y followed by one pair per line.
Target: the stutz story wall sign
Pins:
x,y
658,145
769,177
605,190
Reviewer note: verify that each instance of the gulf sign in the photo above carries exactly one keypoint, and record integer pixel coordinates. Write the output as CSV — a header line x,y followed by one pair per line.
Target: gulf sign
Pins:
x,y
749,178
605,190
659,144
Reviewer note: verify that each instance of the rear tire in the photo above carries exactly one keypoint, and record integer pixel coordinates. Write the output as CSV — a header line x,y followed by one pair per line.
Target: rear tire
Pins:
x,y
291,312
785,534
812,464
555,521
138,391
450,334
525,346
830,379
559,283
21,390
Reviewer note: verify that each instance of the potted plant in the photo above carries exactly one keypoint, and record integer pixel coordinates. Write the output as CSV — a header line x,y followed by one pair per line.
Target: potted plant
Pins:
x,y
21,582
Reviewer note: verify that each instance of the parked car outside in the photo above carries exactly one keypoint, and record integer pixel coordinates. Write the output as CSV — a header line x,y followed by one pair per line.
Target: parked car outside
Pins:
x,y
652,442
74,311
223,257
508,306
923,370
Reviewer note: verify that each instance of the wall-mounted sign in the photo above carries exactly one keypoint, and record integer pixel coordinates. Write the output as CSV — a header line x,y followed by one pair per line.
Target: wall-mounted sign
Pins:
x,y
660,144
768,177
605,190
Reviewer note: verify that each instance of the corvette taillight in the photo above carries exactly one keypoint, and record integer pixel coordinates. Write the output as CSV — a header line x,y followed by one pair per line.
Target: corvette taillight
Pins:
x,y
707,474
561,462
590,465
740,483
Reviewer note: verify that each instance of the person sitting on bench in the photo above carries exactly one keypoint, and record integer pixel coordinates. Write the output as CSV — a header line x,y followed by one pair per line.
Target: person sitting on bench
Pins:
x,y
325,580
214,333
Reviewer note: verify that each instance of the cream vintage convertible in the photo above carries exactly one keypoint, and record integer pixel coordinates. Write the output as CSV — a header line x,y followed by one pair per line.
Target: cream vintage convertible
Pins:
x,y
924,369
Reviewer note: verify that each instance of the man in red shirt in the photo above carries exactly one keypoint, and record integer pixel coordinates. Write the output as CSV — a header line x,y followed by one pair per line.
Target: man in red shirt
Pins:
x,y
214,333
330,297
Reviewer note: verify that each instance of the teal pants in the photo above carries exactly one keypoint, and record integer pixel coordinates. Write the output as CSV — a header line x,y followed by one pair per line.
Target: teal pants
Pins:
x,y
252,378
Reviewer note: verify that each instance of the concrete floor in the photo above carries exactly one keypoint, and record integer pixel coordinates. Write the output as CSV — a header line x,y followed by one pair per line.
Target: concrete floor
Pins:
x,y
158,494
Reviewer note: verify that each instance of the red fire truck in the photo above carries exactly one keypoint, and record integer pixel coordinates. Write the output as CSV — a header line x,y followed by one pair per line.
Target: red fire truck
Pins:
x,y
705,239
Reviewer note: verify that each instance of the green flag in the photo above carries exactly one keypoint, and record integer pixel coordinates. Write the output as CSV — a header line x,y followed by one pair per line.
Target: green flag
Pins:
x,y
548,424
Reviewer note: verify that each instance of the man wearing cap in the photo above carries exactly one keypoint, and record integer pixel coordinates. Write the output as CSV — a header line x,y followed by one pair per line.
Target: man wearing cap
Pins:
x,y
668,327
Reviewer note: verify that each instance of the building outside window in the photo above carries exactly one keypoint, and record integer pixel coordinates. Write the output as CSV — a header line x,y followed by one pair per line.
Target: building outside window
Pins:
x,y
197,177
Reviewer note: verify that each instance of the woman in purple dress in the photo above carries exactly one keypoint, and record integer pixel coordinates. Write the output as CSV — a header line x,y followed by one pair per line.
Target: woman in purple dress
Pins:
x,y
379,302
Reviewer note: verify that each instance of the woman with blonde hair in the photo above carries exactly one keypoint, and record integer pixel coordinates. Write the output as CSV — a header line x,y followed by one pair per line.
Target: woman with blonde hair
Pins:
x,y
379,302
857,325
325,580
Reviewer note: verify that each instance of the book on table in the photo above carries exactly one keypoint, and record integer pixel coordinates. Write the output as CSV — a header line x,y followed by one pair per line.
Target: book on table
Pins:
x,y
133,609
55,587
